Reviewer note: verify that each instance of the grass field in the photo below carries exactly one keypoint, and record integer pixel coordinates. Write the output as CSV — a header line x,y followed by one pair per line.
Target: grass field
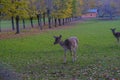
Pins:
x,y
6,24
36,58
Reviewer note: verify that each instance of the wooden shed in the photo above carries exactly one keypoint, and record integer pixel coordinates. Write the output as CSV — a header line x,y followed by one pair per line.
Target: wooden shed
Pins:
x,y
91,13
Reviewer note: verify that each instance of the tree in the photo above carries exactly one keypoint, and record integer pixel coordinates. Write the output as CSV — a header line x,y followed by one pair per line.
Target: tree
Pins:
x,y
31,10
77,8
62,9
41,9
20,9
49,7
107,8
15,9
0,14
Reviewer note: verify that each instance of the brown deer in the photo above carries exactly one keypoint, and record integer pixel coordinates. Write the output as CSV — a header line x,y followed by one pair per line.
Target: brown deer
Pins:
x,y
70,44
116,34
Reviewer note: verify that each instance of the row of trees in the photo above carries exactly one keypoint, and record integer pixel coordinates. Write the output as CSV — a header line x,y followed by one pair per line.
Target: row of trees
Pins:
x,y
57,10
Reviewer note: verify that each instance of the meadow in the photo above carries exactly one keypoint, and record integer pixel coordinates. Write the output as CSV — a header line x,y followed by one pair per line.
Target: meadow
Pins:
x,y
7,25
35,57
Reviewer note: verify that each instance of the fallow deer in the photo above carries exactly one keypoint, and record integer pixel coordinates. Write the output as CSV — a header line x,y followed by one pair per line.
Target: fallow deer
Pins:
x,y
70,44
116,34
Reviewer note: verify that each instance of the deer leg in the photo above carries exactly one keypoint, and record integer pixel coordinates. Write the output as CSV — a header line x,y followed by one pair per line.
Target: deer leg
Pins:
x,y
65,56
118,39
73,57
74,54
71,52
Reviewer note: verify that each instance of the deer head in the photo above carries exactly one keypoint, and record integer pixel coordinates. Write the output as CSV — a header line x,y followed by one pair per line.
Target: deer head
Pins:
x,y
116,34
57,39
113,29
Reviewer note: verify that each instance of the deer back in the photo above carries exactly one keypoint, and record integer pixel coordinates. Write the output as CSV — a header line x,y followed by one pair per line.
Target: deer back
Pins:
x,y
71,43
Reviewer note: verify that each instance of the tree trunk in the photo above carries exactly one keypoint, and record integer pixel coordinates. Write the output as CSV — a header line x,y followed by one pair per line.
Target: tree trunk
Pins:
x,y
23,23
31,20
55,22
44,19
49,22
0,22
111,16
12,20
40,18
17,25
39,21
0,25
52,20
49,18
59,21
63,21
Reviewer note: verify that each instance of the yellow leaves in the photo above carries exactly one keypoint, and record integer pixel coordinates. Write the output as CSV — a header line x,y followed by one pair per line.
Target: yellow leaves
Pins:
x,y
40,6
14,8
79,8
92,4
112,3
25,8
5,6
81,2
31,8
63,9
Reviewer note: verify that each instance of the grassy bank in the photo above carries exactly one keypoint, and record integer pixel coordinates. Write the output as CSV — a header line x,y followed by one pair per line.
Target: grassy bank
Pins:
x,y
36,58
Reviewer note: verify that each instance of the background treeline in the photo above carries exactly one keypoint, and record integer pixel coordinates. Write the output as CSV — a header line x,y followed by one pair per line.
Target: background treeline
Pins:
x,y
57,12
106,8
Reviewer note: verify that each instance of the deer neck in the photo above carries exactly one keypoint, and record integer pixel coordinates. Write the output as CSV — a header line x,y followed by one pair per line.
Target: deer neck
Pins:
x,y
113,32
61,43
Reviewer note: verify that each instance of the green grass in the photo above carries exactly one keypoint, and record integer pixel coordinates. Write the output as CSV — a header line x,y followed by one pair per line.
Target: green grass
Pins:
x,y
36,58
6,24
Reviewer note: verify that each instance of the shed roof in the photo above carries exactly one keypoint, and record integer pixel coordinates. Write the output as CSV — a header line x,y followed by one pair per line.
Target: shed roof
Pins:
x,y
92,10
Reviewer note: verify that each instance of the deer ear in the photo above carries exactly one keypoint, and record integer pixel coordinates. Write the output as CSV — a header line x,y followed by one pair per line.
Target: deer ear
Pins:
x,y
60,36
